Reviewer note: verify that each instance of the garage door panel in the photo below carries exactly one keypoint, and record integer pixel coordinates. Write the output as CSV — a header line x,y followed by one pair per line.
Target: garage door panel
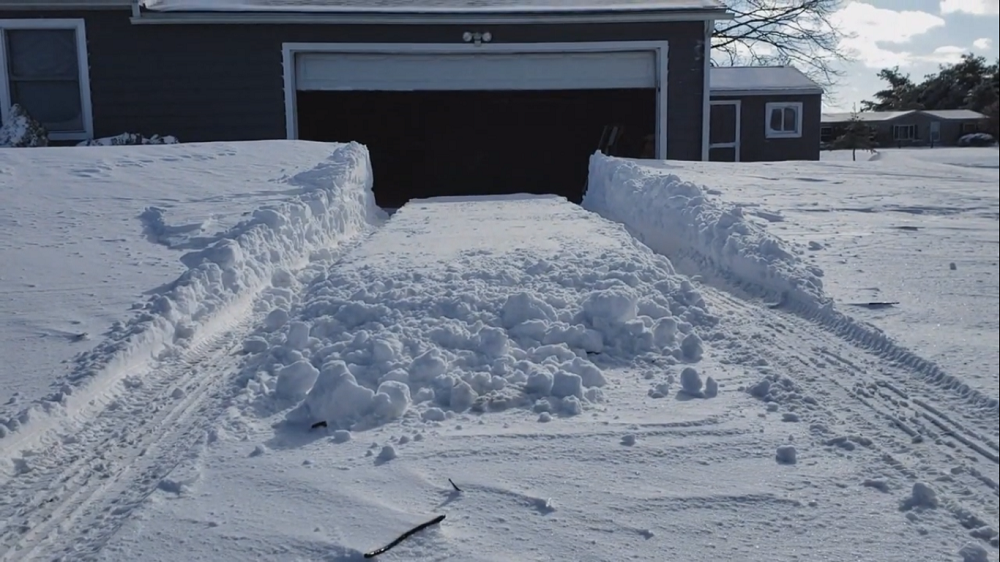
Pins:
x,y
475,71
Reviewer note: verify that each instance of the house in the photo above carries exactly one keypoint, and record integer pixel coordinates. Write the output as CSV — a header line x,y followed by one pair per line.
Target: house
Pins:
x,y
910,128
764,114
450,96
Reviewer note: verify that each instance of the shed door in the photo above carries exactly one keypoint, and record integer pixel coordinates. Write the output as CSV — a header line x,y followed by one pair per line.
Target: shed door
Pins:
x,y
475,71
724,135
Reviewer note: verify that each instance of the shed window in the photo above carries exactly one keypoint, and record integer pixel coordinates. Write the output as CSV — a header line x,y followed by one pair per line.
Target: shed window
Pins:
x,y
45,71
784,120
969,127
904,132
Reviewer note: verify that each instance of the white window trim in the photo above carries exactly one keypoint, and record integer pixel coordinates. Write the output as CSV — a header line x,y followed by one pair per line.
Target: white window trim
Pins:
x,y
83,65
769,109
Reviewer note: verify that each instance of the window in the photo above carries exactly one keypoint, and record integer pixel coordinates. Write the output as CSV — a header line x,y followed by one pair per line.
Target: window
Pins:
x,y
970,127
904,132
44,63
784,120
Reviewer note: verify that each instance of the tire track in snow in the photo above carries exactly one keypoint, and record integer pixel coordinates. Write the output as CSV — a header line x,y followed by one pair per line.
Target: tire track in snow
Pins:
x,y
45,500
80,497
853,398
848,329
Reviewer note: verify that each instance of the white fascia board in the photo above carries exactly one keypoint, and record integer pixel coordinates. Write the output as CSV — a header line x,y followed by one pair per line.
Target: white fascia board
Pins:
x,y
357,18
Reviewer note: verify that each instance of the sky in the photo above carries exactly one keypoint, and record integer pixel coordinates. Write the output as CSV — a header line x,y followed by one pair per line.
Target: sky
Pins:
x,y
916,35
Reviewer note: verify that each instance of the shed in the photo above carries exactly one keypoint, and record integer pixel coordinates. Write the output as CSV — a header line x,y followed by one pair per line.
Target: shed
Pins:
x,y
910,128
764,114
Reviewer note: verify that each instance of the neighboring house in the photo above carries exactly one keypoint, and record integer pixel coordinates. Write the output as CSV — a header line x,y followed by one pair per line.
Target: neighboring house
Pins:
x,y
762,114
910,128
458,95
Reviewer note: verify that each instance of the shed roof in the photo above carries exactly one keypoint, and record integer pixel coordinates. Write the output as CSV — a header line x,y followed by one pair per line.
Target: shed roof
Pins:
x,y
736,80
430,6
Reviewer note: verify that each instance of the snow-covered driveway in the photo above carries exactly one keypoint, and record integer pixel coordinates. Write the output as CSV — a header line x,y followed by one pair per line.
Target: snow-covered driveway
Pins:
x,y
551,385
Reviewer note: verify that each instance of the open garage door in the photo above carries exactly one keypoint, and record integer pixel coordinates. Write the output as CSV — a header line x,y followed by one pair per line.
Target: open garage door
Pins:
x,y
476,71
479,123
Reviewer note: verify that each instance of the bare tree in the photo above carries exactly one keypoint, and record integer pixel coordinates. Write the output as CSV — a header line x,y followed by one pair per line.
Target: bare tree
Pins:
x,y
802,33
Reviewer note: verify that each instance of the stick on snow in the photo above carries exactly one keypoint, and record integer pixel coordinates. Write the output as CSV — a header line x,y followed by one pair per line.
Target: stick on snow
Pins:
x,y
453,485
404,536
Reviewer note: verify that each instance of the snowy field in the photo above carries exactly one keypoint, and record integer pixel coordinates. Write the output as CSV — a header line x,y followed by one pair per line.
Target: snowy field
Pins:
x,y
657,375
917,227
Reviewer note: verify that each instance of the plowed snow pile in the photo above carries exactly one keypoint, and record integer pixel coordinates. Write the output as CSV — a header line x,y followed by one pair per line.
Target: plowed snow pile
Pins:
x,y
416,323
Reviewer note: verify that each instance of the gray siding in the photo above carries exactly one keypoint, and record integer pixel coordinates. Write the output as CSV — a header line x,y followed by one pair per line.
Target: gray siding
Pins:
x,y
754,144
224,82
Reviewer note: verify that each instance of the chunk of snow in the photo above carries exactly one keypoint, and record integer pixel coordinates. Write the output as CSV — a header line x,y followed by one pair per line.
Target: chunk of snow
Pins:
x,y
786,454
691,382
391,400
921,497
974,553
711,388
296,380
387,454
336,397
566,384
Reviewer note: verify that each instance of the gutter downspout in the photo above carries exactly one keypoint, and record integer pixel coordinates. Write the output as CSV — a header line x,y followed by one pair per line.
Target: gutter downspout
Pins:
x,y
706,109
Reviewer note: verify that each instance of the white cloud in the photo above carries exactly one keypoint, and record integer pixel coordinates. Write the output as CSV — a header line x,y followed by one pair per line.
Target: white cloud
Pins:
x,y
983,43
974,7
870,28
949,54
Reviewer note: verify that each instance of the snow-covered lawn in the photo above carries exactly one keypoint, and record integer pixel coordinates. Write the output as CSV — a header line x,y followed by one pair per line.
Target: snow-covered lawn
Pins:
x,y
112,255
656,375
917,227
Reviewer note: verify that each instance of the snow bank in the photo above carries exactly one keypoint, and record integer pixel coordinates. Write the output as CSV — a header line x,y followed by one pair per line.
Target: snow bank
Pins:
x,y
680,219
496,320
685,222
336,203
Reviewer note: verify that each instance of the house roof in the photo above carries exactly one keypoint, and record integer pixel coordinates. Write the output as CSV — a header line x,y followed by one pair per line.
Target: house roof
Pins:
x,y
960,114
431,6
866,116
761,80
882,116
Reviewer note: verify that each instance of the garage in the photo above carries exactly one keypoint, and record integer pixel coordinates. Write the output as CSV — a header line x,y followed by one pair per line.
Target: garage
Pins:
x,y
480,119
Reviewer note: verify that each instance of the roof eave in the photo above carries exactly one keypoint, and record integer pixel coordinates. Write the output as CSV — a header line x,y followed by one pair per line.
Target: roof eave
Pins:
x,y
64,4
767,92
427,18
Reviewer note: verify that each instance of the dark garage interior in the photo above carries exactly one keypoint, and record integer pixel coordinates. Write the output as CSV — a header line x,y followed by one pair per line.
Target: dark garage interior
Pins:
x,y
436,143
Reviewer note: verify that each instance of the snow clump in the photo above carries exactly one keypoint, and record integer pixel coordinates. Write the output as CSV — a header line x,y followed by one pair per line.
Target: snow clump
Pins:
x,y
509,330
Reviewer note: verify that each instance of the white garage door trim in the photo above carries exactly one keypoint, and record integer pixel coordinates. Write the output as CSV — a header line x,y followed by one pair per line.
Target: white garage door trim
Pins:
x,y
490,66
